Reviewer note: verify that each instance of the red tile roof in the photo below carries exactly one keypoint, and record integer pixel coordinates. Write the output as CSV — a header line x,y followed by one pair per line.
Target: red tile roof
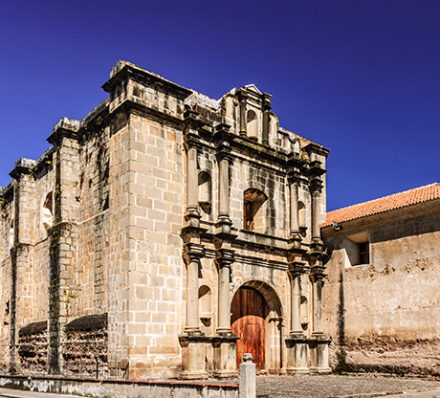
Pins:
x,y
381,205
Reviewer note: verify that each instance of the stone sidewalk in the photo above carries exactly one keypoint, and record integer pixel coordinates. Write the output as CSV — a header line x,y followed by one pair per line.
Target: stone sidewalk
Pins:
x,y
328,386
337,386
8,393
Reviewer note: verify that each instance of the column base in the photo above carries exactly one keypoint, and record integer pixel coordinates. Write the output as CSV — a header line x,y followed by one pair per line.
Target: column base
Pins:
x,y
225,356
318,348
193,356
320,370
192,375
297,371
297,354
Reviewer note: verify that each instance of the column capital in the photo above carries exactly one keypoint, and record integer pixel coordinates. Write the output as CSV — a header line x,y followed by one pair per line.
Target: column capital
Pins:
x,y
317,273
223,138
225,257
316,186
242,95
297,268
192,118
194,251
267,102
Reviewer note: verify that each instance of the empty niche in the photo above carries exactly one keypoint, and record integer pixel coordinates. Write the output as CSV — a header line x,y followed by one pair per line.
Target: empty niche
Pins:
x,y
304,312
252,125
229,104
205,192
302,216
205,305
274,126
47,212
296,148
254,210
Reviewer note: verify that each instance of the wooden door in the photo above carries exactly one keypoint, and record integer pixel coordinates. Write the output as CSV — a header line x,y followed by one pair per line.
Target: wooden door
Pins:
x,y
247,321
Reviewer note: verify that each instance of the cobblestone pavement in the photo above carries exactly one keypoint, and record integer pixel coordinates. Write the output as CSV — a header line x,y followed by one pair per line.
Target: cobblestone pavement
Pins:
x,y
336,386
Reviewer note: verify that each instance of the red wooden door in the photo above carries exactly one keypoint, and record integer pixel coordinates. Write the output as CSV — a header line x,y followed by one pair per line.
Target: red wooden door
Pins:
x,y
248,324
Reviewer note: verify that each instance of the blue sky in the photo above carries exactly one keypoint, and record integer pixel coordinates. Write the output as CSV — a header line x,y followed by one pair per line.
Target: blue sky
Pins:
x,y
358,76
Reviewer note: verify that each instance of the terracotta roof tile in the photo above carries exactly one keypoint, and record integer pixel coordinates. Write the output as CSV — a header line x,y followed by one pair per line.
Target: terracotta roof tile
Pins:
x,y
381,205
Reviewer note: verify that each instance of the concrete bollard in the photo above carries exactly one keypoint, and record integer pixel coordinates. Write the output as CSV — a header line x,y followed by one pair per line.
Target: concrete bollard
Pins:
x,y
247,386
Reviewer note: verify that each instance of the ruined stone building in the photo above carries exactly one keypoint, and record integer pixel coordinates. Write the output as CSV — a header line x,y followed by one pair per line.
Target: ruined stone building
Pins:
x,y
382,298
164,235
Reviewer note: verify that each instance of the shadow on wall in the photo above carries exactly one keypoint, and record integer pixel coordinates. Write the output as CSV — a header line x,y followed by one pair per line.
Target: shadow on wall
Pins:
x,y
341,354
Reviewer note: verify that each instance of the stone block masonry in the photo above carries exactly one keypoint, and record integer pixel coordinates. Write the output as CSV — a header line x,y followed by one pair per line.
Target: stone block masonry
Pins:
x,y
122,248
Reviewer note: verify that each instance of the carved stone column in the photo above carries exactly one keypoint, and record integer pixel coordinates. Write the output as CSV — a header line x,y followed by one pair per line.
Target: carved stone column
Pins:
x,y
319,343
193,342
266,117
296,342
194,253
224,223
224,189
192,184
225,342
316,212
243,120
224,260
295,234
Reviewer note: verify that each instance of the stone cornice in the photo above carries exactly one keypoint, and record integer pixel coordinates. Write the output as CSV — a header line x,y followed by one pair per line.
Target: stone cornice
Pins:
x,y
65,127
125,70
22,166
313,147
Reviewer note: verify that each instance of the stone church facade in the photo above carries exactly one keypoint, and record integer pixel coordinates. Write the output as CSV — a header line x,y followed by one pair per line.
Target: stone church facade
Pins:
x,y
164,235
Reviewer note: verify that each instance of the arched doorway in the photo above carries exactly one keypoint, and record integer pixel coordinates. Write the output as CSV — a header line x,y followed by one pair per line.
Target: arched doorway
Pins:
x,y
247,323
257,319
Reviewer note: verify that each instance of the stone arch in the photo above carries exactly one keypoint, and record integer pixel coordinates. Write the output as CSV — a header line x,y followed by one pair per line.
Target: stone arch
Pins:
x,y
272,321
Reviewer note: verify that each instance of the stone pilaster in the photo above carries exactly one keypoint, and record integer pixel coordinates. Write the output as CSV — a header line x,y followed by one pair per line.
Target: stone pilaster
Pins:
x,y
266,117
194,252
63,236
225,350
316,212
318,346
192,341
225,257
296,342
242,98
21,271
224,223
191,143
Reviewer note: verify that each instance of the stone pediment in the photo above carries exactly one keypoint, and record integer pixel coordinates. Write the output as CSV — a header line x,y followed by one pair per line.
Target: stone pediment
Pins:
x,y
253,88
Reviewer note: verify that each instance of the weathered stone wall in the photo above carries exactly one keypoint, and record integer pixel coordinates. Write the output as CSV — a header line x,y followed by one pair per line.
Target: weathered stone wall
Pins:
x,y
95,227
85,348
385,315
32,347
155,264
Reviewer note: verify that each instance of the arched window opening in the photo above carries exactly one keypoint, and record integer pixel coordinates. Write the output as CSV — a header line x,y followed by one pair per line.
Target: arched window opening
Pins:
x,y
253,211
302,215
47,212
205,192
252,125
